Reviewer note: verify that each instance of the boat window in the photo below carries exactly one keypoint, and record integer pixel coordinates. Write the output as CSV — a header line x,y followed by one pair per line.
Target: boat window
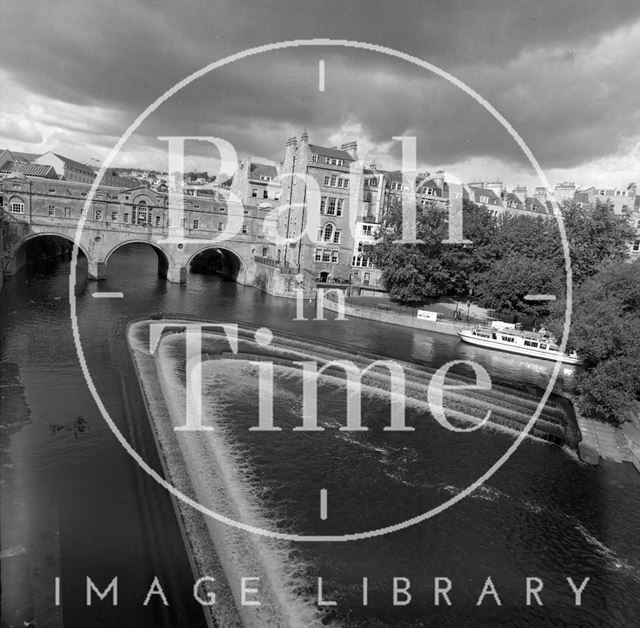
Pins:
x,y
543,346
508,339
530,343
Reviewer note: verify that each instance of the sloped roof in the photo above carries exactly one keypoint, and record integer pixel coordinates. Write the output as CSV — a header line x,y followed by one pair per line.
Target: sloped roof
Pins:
x,y
257,170
75,164
43,171
19,156
423,184
494,199
536,205
336,153
510,197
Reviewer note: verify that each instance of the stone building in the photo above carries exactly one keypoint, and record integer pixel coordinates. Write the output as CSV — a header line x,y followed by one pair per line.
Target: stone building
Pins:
x,y
66,168
322,196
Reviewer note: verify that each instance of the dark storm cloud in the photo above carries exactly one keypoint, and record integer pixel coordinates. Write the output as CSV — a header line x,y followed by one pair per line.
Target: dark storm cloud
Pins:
x,y
537,62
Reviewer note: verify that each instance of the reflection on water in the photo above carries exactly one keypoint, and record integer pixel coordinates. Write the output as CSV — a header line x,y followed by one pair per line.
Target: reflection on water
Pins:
x,y
544,514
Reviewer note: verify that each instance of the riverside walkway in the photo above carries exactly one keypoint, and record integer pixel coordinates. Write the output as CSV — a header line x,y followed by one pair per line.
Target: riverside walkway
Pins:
x,y
385,310
603,440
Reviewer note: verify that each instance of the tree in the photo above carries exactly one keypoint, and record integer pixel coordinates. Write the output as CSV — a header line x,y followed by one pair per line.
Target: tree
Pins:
x,y
503,287
415,273
595,235
605,331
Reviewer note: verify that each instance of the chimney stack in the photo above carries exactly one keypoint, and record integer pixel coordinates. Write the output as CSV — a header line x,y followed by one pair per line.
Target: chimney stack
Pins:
x,y
352,149
521,193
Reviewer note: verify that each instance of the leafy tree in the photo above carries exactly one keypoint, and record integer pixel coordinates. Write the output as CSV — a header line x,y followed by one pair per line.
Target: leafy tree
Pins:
x,y
414,273
605,331
504,286
595,235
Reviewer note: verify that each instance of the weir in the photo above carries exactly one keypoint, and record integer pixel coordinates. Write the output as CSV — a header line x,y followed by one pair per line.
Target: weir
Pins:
x,y
215,468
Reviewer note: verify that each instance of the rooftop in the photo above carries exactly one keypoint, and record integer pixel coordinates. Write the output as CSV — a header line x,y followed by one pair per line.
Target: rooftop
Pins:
x,y
258,170
43,171
336,153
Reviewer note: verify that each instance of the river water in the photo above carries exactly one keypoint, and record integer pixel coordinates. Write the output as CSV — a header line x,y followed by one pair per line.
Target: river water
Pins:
x,y
544,514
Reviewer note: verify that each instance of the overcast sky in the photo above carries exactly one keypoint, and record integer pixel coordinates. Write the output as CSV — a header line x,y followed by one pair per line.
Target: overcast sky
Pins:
x,y
74,74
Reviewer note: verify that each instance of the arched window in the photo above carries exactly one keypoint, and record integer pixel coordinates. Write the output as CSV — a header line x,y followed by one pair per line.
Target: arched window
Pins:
x,y
142,213
329,233
16,205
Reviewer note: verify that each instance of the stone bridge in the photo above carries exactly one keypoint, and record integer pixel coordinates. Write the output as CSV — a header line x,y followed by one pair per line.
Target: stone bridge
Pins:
x,y
98,242
32,209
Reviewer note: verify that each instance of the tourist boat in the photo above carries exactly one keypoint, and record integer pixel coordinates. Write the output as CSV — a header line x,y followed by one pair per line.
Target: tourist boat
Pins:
x,y
506,337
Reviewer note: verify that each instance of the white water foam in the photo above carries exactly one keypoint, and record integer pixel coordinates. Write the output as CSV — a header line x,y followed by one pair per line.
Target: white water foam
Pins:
x,y
224,485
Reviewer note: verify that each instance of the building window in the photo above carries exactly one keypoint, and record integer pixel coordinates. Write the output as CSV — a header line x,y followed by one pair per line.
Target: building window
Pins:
x,y
98,214
265,251
126,217
114,216
314,157
362,261
636,246
52,210
67,212
16,205
142,213
254,193
157,221
220,226
326,180
333,180
339,207
245,229
265,194
396,185
326,255
331,206
484,199
367,230
329,234
196,223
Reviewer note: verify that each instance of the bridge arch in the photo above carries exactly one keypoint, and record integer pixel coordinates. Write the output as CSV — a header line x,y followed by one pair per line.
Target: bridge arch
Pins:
x,y
164,259
221,259
18,255
50,234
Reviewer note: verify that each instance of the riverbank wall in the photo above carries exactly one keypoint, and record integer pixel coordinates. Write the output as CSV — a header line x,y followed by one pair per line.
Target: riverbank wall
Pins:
x,y
450,328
